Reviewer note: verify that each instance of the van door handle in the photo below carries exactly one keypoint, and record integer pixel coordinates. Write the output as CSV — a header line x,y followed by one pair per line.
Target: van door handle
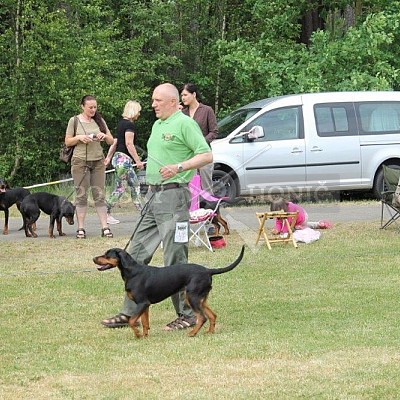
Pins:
x,y
315,148
296,150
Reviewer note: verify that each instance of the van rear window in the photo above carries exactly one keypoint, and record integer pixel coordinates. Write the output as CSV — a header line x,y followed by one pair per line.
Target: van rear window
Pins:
x,y
379,117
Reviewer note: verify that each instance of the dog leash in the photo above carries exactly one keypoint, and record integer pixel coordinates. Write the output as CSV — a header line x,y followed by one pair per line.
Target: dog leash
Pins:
x,y
87,168
142,214
16,274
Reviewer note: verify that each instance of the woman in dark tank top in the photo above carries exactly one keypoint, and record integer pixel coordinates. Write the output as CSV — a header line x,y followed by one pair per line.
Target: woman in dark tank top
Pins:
x,y
124,159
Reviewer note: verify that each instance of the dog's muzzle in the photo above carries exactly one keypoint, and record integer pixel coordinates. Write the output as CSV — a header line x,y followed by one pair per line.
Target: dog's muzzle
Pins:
x,y
102,264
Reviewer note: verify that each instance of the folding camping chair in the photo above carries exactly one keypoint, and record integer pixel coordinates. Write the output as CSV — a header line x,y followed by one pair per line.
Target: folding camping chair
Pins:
x,y
200,218
391,178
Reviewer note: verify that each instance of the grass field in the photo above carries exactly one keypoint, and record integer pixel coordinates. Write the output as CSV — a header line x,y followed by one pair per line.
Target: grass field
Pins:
x,y
320,321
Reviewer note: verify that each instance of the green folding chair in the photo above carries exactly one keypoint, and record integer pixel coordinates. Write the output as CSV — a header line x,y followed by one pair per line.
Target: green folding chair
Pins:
x,y
391,178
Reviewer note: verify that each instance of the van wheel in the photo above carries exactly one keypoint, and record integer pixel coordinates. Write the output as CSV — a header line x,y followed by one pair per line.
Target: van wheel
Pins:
x,y
223,185
379,185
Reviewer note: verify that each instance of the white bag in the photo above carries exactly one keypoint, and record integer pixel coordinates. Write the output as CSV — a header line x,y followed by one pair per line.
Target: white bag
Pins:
x,y
306,235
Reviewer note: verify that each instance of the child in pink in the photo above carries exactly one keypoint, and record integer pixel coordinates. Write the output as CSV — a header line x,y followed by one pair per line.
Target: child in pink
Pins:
x,y
301,221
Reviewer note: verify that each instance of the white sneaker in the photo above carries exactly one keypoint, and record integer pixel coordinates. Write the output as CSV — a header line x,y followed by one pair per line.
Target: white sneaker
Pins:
x,y
111,220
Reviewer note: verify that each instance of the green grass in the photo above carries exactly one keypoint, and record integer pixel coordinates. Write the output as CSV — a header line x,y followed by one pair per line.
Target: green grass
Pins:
x,y
320,321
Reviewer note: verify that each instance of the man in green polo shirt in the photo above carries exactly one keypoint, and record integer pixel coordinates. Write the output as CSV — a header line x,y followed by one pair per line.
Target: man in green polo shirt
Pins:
x,y
176,148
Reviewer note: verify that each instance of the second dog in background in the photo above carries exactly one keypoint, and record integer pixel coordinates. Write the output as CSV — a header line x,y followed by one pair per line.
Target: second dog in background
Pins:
x,y
218,220
9,197
55,206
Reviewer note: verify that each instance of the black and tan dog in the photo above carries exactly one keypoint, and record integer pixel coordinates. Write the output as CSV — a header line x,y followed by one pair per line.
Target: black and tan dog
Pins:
x,y
218,220
55,206
147,285
3,185
9,197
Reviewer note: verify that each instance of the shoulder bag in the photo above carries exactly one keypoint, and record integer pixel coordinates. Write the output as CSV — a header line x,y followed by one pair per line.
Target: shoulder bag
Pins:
x,y
66,152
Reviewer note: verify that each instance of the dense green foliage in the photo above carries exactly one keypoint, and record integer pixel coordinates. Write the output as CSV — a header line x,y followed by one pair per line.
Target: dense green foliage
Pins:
x,y
52,53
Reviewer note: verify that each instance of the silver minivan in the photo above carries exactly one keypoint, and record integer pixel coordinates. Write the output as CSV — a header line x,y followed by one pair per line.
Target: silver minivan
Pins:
x,y
306,143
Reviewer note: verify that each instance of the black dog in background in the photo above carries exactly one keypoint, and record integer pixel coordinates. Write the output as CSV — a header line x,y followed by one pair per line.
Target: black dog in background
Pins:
x,y
9,197
55,206
3,185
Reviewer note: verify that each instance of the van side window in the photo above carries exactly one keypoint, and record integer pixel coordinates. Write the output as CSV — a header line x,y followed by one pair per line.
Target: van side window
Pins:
x,y
280,124
382,117
335,119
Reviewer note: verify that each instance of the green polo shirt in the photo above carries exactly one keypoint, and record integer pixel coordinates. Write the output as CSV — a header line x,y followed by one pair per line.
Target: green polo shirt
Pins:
x,y
172,141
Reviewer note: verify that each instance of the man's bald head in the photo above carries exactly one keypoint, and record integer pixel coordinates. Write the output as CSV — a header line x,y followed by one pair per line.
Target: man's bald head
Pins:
x,y
169,90
165,100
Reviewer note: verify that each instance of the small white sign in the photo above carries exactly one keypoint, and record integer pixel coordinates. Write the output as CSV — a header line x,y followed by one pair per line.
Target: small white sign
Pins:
x,y
181,232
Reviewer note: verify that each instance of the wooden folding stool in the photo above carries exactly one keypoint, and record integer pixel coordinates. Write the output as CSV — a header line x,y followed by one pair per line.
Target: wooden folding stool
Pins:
x,y
262,219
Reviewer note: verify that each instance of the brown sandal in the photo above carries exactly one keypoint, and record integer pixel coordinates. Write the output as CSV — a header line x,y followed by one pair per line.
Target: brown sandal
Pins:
x,y
118,321
80,234
106,232
180,323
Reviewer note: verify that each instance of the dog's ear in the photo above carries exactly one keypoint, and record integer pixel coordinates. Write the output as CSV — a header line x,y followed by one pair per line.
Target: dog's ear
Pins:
x,y
125,258
112,253
70,208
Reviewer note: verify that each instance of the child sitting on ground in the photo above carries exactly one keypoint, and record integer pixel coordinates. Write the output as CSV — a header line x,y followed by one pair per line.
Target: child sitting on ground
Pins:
x,y
301,220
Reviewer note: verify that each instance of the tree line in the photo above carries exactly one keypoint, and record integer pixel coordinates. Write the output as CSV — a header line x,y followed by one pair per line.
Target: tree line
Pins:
x,y
236,51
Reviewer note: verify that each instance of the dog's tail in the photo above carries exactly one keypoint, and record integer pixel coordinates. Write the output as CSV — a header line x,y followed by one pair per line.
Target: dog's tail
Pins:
x,y
216,271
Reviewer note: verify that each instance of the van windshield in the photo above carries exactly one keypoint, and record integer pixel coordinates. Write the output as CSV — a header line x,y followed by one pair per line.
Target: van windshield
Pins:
x,y
232,121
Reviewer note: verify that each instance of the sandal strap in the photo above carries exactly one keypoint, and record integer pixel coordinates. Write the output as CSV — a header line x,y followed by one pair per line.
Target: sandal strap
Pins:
x,y
172,325
186,322
106,232
81,233
181,323
116,319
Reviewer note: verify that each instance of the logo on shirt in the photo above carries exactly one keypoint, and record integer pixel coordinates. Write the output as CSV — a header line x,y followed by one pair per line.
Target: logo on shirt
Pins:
x,y
168,137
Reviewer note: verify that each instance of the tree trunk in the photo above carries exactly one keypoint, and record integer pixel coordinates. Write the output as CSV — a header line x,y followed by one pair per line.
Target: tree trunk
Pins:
x,y
218,80
349,17
311,21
